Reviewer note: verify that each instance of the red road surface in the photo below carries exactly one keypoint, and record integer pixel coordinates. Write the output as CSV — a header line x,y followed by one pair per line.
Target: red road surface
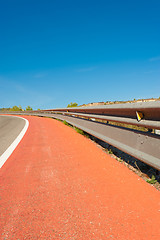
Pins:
x,y
59,185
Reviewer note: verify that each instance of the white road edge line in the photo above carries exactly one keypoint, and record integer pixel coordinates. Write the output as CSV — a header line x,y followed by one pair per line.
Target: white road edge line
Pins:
x,y
15,143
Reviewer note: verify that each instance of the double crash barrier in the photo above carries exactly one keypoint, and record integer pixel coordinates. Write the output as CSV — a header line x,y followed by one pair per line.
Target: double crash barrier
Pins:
x,y
131,127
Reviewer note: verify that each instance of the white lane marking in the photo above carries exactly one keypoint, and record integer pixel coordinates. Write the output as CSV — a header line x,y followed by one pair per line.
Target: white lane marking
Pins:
x,y
15,143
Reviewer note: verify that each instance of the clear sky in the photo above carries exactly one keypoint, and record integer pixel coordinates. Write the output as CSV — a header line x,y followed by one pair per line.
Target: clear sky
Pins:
x,y
53,52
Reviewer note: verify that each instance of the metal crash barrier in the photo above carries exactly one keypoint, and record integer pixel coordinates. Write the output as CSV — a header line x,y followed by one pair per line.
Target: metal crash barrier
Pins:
x,y
100,121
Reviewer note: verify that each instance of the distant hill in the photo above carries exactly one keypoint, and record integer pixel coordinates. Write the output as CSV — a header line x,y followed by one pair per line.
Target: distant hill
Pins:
x,y
118,102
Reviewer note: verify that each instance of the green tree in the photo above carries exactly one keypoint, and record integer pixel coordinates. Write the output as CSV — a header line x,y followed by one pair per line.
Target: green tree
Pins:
x,y
15,108
72,105
28,108
20,108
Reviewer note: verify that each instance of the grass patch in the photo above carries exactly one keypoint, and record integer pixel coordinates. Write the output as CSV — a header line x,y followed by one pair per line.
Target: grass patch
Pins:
x,y
110,151
66,123
152,180
139,128
58,120
80,131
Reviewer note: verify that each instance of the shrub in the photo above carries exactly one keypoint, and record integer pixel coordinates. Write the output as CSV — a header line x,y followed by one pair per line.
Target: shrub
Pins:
x,y
28,108
72,105
15,108
152,180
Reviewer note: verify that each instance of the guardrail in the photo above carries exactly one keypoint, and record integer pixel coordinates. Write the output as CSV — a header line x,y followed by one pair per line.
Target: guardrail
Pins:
x,y
98,121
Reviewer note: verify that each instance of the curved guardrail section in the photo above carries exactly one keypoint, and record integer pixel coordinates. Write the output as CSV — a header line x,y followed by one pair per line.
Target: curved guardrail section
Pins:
x,y
144,146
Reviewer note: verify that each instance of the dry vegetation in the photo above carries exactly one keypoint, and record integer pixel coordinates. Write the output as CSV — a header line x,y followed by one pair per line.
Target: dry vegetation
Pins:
x,y
120,102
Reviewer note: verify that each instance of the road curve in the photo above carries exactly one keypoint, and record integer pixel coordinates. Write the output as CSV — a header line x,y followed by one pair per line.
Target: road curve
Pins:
x,y
12,129
58,184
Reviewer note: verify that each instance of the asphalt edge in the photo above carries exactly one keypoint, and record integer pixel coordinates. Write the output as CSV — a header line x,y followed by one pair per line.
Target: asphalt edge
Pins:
x,y
15,143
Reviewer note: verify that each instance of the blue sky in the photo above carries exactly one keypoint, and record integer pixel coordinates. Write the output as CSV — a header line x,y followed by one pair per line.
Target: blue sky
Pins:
x,y
55,52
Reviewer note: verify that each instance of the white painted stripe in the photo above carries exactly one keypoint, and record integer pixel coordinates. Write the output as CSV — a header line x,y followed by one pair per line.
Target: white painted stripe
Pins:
x,y
15,143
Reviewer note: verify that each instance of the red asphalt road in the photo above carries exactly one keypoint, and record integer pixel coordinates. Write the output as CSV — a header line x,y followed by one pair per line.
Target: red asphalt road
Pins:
x,y
58,184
